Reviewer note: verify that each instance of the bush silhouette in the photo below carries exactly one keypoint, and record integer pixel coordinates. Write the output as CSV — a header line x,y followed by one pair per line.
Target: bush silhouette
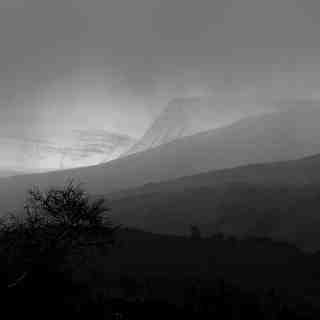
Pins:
x,y
56,224
195,232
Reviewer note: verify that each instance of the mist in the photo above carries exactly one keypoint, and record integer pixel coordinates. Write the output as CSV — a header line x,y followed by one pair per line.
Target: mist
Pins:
x,y
160,158
116,65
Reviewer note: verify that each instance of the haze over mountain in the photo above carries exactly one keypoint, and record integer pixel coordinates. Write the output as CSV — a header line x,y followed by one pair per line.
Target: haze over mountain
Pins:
x,y
273,137
188,116
82,148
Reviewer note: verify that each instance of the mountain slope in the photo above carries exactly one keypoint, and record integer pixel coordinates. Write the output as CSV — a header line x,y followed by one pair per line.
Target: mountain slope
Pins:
x,y
300,173
277,200
188,116
269,138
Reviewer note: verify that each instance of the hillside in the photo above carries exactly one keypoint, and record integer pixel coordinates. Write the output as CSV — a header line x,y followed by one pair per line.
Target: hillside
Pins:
x,y
286,214
279,200
294,173
270,138
188,116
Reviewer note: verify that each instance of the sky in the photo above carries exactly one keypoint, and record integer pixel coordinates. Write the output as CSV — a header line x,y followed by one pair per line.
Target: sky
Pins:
x,y
114,64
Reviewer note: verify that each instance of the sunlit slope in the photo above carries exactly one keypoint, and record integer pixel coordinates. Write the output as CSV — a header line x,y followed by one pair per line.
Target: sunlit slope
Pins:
x,y
188,116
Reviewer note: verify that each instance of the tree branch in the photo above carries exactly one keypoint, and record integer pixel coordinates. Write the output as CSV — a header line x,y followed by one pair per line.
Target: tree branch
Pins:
x,y
20,279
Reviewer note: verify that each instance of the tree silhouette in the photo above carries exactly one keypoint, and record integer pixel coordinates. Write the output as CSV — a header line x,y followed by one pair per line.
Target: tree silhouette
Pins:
x,y
56,224
195,232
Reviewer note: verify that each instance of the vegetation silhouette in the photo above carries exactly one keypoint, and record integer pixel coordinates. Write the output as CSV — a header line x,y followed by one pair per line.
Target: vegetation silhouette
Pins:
x,y
40,248
56,262
195,232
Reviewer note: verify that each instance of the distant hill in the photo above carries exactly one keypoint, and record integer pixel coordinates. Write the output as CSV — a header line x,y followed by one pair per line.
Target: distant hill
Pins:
x,y
285,214
300,173
269,138
279,200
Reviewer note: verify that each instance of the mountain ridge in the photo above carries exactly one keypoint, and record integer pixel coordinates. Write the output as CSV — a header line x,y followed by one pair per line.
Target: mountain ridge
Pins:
x,y
184,117
269,138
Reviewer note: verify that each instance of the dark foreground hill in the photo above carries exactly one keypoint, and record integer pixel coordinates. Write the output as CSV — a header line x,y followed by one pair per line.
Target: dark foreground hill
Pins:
x,y
155,276
181,270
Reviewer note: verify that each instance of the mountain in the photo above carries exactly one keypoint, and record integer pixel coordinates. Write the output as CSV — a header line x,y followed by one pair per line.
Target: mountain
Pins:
x,y
279,136
277,200
188,116
269,138
299,174
82,148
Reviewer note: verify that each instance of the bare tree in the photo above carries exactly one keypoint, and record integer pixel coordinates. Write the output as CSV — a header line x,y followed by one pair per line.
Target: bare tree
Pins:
x,y
56,224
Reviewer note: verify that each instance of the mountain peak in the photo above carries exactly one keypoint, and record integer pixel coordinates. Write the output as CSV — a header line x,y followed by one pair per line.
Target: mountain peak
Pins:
x,y
188,116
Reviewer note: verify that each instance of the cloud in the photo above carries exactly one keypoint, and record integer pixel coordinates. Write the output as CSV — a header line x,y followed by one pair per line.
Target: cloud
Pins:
x,y
85,148
114,64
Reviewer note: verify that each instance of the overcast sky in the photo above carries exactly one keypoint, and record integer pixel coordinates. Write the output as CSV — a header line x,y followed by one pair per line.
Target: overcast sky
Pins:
x,y
113,64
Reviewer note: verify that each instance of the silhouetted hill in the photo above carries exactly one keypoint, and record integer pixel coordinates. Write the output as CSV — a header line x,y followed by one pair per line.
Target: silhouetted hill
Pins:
x,y
289,214
154,276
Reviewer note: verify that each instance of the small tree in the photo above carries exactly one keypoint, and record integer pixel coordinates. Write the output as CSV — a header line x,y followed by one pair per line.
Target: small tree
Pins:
x,y
56,224
195,232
